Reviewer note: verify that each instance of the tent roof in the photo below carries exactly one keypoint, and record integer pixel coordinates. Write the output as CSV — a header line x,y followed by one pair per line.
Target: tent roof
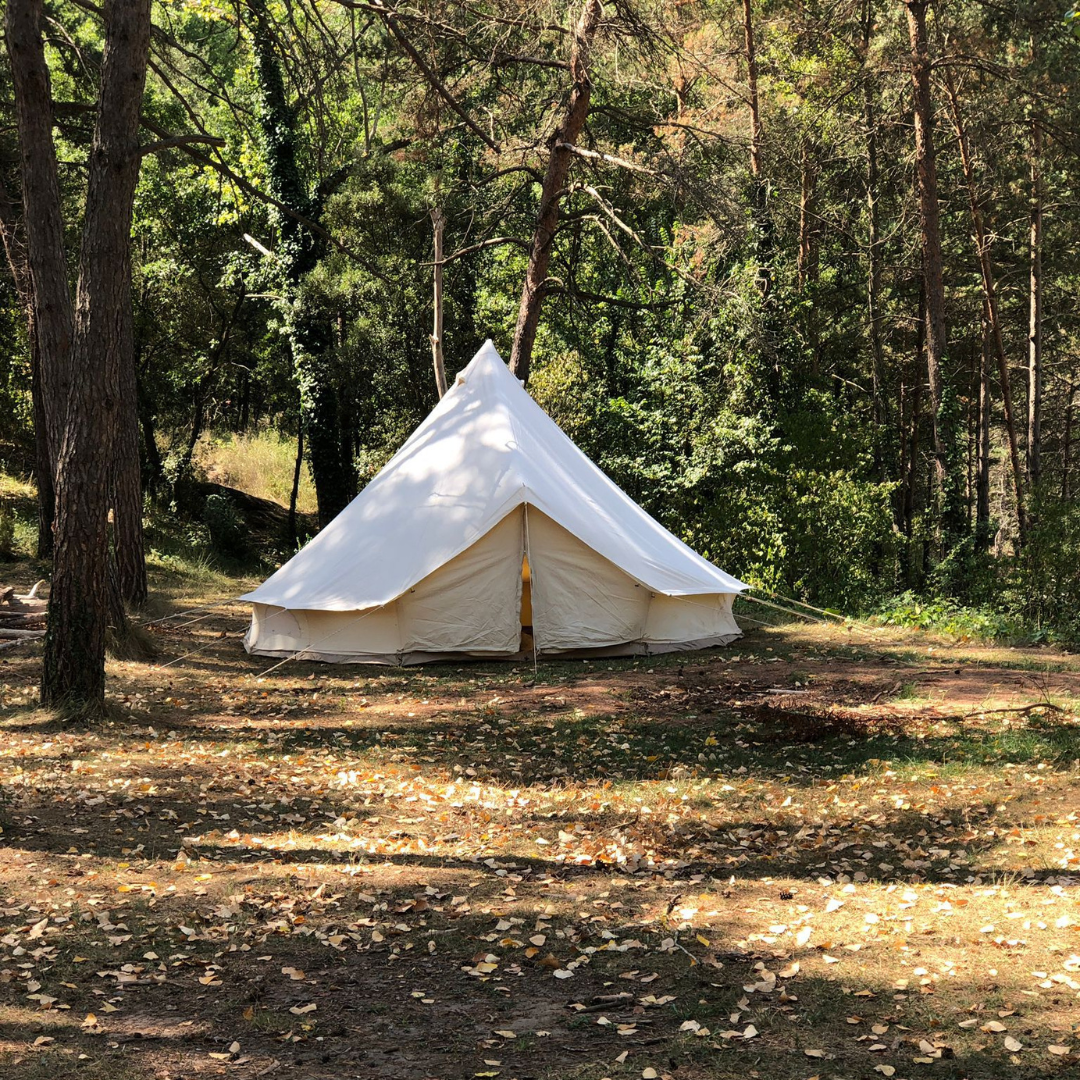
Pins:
x,y
484,450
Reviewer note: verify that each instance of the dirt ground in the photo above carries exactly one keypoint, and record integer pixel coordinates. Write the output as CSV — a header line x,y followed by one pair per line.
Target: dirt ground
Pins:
x,y
822,851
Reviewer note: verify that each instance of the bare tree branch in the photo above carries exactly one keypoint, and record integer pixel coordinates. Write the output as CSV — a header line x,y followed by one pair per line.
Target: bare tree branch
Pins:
x,y
495,241
180,140
609,159
388,16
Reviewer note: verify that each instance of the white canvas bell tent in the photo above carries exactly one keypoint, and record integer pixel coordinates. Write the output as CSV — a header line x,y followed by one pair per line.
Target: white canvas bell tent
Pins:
x,y
489,534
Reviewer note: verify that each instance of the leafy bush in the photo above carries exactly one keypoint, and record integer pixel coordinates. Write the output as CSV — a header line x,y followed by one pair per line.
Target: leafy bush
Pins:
x,y
7,532
225,526
949,617
1041,584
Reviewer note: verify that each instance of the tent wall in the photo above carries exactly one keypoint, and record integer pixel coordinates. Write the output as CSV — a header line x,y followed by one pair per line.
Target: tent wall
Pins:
x,y
675,619
474,605
579,599
321,635
470,605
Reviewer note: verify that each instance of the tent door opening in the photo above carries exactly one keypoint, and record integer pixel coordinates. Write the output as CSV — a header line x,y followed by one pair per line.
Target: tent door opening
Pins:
x,y
526,606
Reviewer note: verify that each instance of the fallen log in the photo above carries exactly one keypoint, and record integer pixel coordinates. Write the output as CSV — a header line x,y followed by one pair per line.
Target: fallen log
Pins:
x,y
22,618
5,632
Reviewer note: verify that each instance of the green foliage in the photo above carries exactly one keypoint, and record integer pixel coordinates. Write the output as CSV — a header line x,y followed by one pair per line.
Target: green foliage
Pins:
x,y
951,618
1042,585
283,280
224,526
7,531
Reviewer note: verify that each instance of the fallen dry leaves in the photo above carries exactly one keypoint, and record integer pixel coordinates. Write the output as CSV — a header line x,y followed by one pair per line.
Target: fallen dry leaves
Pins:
x,y
599,872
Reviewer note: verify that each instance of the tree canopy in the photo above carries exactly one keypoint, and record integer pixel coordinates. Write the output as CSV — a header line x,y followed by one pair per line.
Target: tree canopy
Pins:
x,y
703,231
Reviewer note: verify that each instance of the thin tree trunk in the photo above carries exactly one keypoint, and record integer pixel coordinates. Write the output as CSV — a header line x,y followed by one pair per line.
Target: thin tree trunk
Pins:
x,y
294,494
989,288
1034,418
1067,449
438,223
759,195
127,500
944,482
982,439
807,182
558,166
916,412
11,233
155,467
807,261
73,671
873,270
43,460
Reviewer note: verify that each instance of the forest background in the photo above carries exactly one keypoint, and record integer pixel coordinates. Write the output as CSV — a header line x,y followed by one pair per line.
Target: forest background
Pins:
x,y
800,275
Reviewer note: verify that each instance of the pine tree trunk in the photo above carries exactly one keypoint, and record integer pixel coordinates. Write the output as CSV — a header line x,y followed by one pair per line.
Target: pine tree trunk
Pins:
x,y
912,464
127,494
43,462
294,492
73,671
438,223
873,270
51,311
551,192
155,467
759,193
1066,454
1034,418
807,262
945,487
989,290
982,440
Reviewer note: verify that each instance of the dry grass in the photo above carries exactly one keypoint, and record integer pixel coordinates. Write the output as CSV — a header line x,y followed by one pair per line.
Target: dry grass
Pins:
x,y
606,869
260,463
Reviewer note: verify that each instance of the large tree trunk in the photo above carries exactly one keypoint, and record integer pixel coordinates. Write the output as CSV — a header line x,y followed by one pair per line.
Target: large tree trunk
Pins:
x,y
946,500
989,289
73,674
564,137
51,312
1034,418
759,194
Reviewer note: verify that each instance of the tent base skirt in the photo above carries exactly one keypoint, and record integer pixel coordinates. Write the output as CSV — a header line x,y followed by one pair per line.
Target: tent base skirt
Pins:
x,y
408,659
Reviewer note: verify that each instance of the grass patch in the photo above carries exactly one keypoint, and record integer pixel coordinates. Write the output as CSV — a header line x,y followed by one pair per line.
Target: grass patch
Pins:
x,y
260,463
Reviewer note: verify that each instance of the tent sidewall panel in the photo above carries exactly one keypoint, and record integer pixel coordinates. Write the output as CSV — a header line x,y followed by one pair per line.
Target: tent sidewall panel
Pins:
x,y
580,600
472,604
